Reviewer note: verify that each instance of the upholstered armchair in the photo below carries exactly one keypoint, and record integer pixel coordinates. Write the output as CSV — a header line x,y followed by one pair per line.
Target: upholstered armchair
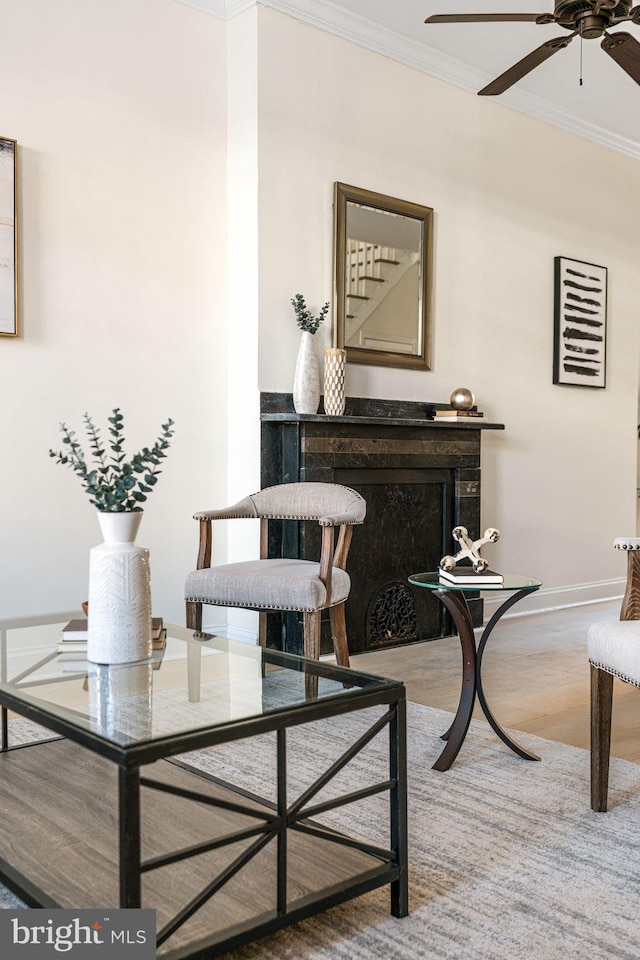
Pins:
x,y
279,583
614,651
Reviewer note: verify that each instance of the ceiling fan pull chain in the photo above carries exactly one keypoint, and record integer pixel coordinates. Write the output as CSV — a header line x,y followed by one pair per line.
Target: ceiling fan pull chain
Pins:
x,y
581,54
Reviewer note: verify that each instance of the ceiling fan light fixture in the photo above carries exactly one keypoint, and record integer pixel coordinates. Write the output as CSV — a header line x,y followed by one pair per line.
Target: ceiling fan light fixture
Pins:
x,y
591,26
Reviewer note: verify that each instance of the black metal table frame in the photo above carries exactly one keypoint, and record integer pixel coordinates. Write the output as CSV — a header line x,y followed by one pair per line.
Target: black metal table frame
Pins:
x,y
456,604
273,823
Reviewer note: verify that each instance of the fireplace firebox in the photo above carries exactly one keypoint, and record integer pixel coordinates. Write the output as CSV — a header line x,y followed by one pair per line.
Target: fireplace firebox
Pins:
x,y
420,477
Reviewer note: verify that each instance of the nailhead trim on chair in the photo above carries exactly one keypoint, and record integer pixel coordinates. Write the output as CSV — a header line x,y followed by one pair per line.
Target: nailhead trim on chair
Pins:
x,y
278,516
230,516
247,515
615,673
213,603
288,516
627,543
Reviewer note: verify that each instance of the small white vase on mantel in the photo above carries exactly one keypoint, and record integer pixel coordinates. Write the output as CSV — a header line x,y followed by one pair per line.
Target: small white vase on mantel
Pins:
x,y
119,593
335,361
306,379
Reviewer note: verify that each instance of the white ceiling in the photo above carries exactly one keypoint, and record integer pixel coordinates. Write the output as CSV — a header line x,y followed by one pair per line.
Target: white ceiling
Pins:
x,y
606,108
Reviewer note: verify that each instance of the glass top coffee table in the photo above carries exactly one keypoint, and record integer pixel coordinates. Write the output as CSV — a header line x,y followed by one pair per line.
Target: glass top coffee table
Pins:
x,y
454,598
126,823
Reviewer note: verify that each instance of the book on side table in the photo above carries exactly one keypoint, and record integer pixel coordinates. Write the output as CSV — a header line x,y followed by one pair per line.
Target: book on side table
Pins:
x,y
464,576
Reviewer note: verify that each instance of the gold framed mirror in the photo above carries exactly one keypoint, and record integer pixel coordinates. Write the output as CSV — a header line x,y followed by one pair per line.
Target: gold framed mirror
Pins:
x,y
382,278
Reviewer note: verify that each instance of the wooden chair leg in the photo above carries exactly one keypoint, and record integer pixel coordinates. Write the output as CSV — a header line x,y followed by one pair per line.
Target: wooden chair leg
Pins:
x,y
339,634
601,705
312,635
262,628
194,616
311,623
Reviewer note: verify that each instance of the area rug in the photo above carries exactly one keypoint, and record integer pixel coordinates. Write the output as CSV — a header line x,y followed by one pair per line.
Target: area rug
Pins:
x,y
507,861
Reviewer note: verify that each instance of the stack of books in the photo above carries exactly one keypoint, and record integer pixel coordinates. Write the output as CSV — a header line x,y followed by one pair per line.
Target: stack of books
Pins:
x,y
75,633
458,416
465,576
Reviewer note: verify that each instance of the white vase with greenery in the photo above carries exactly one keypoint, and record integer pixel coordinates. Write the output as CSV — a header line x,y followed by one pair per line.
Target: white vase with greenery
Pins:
x,y
306,379
119,612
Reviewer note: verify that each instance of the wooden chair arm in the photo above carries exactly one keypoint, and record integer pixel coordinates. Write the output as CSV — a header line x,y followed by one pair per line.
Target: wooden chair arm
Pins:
x,y
326,558
330,558
630,608
206,541
342,549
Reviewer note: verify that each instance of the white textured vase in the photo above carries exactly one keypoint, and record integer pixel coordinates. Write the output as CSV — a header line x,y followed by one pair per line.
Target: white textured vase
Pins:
x,y
335,363
120,699
119,593
306,380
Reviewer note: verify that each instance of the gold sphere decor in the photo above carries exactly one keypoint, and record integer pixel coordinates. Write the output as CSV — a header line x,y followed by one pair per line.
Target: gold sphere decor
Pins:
x,y
462,399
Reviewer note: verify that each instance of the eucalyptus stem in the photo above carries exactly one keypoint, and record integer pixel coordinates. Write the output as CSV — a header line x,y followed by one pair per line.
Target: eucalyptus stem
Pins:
x,y
304,318
114,485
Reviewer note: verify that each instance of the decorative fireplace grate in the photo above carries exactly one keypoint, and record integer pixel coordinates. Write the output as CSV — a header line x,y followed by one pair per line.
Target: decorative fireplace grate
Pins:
x,y
391,616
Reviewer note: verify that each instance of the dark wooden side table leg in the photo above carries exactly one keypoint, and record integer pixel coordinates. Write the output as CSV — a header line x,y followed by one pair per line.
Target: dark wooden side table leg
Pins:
x,y
129,820
281,884
459,610
481,697
398,808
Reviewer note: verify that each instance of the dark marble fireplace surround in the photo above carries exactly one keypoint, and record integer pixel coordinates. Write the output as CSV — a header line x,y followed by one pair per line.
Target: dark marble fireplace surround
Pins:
x,y
420,477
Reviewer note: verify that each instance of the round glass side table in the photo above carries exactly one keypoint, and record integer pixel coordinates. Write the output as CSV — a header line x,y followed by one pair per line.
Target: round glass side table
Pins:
x,y
453,596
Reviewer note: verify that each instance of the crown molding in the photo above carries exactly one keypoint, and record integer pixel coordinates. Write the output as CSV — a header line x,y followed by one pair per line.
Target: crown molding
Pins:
x,y
550,113
334,19
328,16
216,8
222,9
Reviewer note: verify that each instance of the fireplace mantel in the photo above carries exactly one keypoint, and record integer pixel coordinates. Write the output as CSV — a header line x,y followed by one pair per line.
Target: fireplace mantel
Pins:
x,y
420,478
278,408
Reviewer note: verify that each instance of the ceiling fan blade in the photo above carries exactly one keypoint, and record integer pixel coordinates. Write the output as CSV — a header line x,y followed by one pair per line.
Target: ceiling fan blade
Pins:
x,y
525,66
633,15
625,50
485,17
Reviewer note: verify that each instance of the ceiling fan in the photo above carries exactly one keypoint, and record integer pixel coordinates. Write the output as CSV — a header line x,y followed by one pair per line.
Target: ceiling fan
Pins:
x,y
588,19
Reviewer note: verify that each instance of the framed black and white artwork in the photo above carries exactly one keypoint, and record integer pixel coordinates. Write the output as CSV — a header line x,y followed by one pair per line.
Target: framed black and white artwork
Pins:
x,y
580,329
8,240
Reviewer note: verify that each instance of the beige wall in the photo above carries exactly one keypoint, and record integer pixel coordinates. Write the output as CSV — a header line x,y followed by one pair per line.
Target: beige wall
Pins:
x,y
119,113
130,241
509,193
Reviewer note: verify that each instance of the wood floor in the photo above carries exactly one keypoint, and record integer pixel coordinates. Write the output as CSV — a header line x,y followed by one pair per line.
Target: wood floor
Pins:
x,y
535,674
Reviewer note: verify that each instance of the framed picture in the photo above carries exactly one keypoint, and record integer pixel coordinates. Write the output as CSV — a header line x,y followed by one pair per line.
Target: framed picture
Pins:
x,y
580,328
8,240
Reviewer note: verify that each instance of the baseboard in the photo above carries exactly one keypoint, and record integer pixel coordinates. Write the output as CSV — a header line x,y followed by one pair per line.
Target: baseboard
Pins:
x,y
558,598
542,601
232,632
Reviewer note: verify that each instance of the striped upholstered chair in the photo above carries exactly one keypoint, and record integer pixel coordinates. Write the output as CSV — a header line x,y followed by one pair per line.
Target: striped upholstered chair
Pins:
x,y
614,651
283,584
